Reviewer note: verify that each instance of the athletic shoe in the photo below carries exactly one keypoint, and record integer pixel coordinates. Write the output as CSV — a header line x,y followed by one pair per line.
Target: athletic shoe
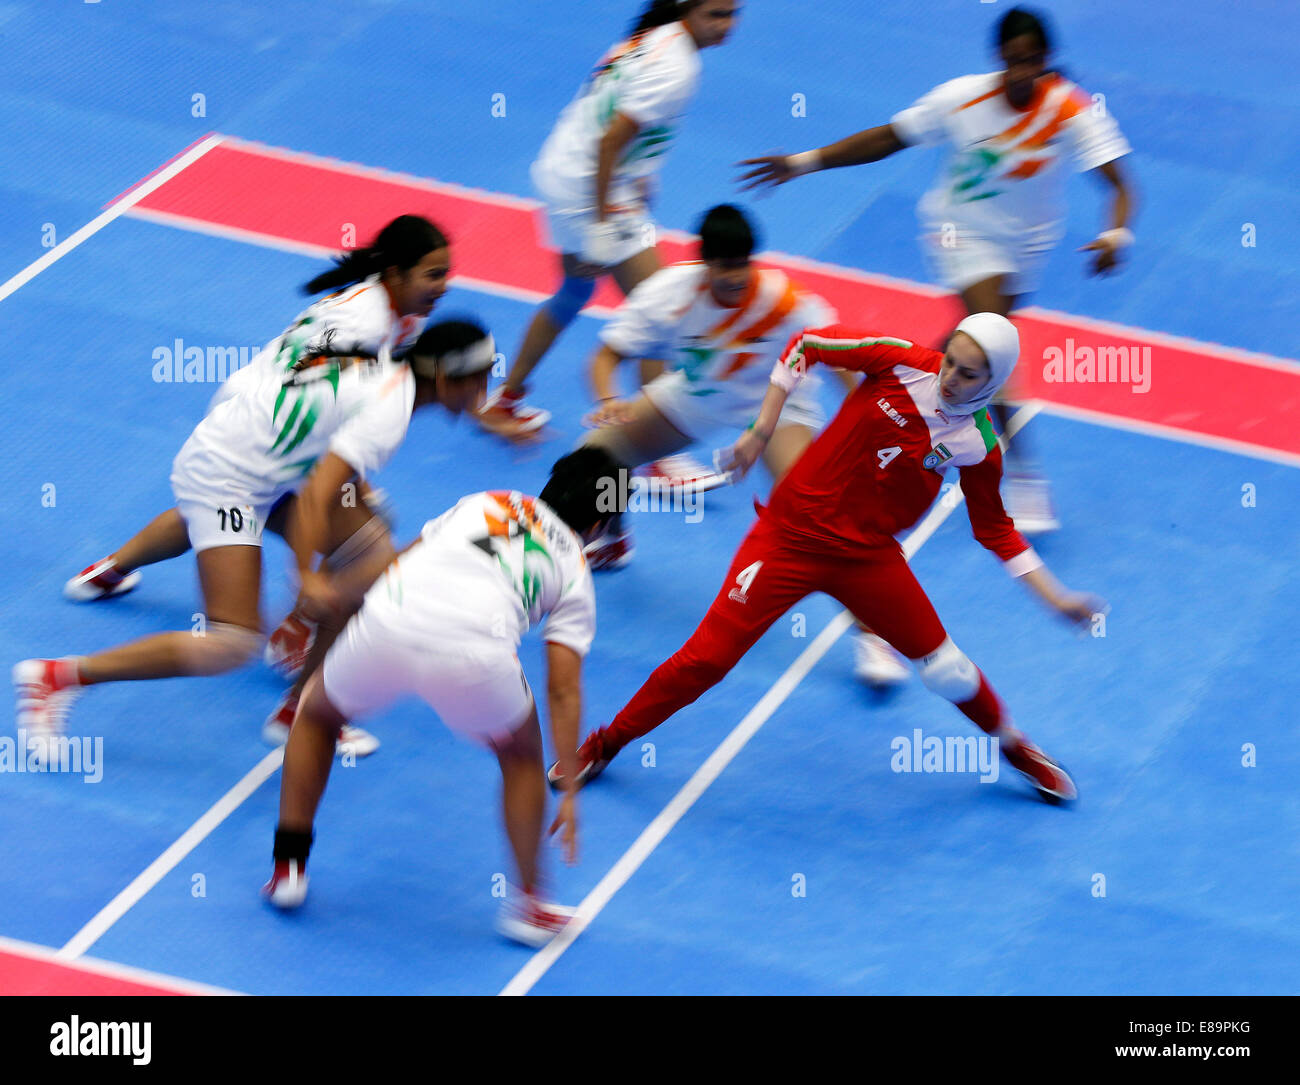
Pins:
x,y
287,888
1049,778
275,732
877,662
530,920
42,702
685,473
591,763
287,648
507,415
100,581
1028,501
612,550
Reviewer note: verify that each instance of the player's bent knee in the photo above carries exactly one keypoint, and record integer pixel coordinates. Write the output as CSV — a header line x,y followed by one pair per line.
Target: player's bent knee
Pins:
x,y
222,647
949,672
568,301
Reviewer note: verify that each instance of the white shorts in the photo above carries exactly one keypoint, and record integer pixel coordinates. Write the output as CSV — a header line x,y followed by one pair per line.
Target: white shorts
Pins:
x,y
567,224
699,410
473,682
216,515
959,258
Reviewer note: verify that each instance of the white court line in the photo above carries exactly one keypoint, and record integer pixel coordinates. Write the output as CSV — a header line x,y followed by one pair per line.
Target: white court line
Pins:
x,y
100,221
116,908
654,833
112,969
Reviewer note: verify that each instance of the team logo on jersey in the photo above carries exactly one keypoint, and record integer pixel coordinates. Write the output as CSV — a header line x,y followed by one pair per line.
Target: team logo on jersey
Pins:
x,y
939,454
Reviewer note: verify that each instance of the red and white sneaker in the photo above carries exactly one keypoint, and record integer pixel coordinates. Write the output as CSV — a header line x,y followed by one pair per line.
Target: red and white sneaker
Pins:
x,y
45,690
287,888
100,581
1049,778
879,663
530,920
591,763
683,472
612,550
507,415
354,740
287,648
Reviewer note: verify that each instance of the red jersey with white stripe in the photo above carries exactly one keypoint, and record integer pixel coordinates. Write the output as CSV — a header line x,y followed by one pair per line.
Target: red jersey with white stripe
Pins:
x,y
878,465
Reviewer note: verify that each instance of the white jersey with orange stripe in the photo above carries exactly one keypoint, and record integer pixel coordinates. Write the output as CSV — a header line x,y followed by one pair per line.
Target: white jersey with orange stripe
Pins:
x,y
1003,178
651,79
329,383
673,317
493,565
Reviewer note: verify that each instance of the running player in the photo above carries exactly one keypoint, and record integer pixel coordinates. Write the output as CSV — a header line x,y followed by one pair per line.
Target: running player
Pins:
x,y
595,173
323,405
719,323
997,209
832,521
444,623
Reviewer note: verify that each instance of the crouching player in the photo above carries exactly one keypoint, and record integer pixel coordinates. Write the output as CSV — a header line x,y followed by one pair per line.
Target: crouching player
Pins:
x,y
832,521
444,623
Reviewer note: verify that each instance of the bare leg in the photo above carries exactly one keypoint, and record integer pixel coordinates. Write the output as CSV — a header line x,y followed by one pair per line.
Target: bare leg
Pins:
x,y
630,274
788,443
523,796
164,537
308,756
646,437
542,331
231,579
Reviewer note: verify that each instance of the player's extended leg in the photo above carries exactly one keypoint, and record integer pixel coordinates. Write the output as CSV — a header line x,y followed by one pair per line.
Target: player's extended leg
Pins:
x,y
764,581
504,412
886,596
523,796
308,756
228,637
165,536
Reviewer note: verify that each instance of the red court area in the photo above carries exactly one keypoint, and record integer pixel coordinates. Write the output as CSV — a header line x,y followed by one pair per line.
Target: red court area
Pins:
x,y
1105,372
33,970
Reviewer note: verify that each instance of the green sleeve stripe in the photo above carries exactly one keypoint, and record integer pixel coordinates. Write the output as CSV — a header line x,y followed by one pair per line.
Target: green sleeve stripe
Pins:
x,y
289,422
308,421
985,425
844,344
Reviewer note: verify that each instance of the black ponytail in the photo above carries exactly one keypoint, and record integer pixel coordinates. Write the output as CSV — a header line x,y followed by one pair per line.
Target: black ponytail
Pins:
x,y
403,243
661,13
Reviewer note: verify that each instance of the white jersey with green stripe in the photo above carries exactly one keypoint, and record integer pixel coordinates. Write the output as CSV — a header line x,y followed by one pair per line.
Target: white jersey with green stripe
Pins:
x,y
650,79
328,384
493,565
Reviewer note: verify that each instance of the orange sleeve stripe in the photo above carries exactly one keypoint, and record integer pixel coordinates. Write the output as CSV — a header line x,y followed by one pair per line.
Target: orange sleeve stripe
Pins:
x,y
750,294
982,98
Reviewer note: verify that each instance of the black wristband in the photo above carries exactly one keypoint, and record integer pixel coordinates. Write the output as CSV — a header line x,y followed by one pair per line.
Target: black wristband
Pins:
x,y
292,845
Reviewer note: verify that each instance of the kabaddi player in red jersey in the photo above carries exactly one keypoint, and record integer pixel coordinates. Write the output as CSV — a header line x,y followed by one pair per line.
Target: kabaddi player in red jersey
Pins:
x,y
831,523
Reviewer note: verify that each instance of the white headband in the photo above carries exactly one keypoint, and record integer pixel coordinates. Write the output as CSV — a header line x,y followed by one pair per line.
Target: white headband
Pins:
x,y
466,362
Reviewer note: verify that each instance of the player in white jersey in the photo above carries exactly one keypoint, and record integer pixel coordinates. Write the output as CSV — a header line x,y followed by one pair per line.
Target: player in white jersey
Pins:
x,y
325,405
444,623
997,208
718,324
595,173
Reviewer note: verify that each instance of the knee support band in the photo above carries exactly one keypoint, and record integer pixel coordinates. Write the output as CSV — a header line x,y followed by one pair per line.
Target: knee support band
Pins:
x,y
372,533
568,301
221,648
949,672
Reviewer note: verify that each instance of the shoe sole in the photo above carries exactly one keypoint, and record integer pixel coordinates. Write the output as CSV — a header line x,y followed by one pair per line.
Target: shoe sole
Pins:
x,y
76,592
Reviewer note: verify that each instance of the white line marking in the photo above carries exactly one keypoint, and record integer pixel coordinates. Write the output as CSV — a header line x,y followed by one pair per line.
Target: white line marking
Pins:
x,y
654,833
116,908
100,221
1173,433
112,969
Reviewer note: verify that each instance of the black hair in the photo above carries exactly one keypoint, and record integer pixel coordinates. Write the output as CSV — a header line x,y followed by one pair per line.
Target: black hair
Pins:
x,y
661,13
584,488
1020,21
726,234
445,337
403,243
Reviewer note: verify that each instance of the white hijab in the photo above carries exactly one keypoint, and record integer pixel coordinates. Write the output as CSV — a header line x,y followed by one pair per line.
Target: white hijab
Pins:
x,y
997,337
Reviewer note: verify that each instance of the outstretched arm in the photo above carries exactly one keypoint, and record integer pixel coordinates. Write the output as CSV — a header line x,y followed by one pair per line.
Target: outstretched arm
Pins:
x,y
870,145
1110,243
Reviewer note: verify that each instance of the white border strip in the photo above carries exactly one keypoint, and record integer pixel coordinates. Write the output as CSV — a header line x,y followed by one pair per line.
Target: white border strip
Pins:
x,y
100,221
111,969
654,833
116,908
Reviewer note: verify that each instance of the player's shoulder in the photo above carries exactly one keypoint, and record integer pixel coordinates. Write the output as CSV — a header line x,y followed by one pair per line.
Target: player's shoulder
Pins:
x,y
674,283
362,304
965,90
671,46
